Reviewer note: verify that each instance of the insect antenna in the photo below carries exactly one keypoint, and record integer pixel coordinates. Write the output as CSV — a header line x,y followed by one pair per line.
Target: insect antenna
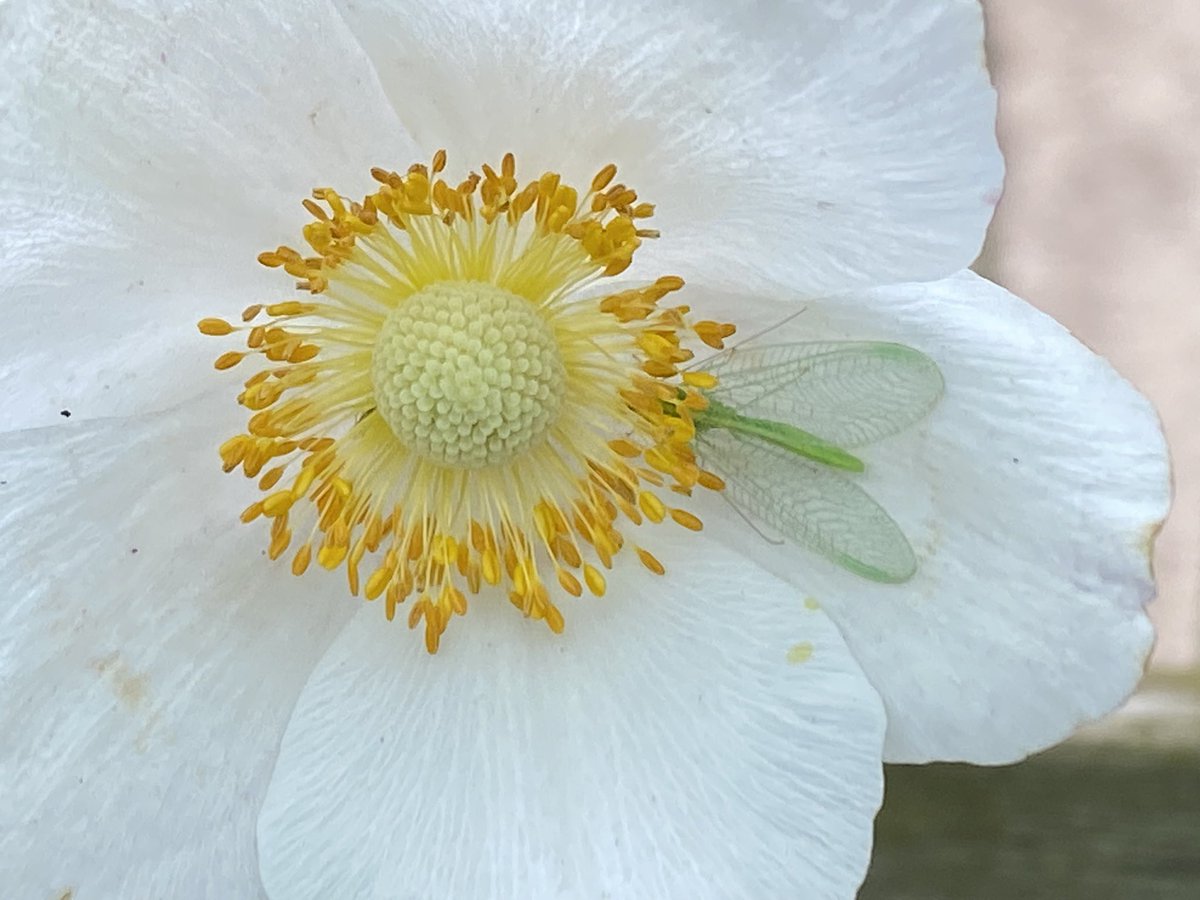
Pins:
x,y
765,331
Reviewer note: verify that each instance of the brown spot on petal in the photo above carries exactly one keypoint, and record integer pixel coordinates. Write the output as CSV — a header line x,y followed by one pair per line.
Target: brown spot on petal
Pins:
x,y
1146,540
131,688
128,686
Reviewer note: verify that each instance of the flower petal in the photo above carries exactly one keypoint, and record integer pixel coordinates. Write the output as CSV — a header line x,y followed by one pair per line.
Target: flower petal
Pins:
x,y
850,142
149,659
147,154
1032,497
664,746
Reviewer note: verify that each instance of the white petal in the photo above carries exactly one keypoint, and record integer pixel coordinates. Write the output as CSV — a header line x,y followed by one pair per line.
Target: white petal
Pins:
x,y
1031,496
149,659
147,155
664,747
850,142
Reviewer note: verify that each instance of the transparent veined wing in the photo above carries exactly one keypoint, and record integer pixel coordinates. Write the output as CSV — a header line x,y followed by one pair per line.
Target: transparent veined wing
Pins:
x,y
809,503
847,393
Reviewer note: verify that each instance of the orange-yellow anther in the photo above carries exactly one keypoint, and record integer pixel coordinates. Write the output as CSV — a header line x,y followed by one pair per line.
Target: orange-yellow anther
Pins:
x,y
377,583
490,567
278,503
270,478
569,583
650,561
554,618
686,519
594,580
714,333
279,543
216,327
654,508
603,178
301,560
700,379
290,308
331,556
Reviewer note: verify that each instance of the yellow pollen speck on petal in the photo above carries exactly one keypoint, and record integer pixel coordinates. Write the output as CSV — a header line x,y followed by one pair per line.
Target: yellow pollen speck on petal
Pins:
x,y
810,603
800,653
452,408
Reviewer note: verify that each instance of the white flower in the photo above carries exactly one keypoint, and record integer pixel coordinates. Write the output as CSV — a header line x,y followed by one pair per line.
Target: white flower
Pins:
x,y
183,718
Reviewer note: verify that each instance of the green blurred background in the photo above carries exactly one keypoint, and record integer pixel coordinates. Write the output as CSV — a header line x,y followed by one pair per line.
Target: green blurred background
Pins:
x,y
1114,814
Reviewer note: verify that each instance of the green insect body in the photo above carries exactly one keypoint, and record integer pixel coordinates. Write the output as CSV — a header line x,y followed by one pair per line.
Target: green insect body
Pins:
x,y
777,427
789,437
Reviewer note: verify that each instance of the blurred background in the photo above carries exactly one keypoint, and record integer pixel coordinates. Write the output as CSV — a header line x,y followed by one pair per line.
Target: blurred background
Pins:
x,y
1099,226
1100,220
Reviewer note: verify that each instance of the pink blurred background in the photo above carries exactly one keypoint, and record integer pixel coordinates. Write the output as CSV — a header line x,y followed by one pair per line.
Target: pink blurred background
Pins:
x,y
1100,221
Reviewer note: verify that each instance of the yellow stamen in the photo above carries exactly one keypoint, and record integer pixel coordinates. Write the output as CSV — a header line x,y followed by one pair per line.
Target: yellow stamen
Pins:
x,y
450,410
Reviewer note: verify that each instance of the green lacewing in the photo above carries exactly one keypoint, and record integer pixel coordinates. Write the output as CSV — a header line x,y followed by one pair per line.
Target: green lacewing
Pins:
x,y
779,428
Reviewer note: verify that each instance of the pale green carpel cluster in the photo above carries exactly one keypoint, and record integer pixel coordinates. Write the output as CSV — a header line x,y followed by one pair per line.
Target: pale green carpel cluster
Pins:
x,y
467,374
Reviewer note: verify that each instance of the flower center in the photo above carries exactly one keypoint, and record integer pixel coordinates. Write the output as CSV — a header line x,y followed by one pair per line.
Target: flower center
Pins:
x,y
448,413
467,374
